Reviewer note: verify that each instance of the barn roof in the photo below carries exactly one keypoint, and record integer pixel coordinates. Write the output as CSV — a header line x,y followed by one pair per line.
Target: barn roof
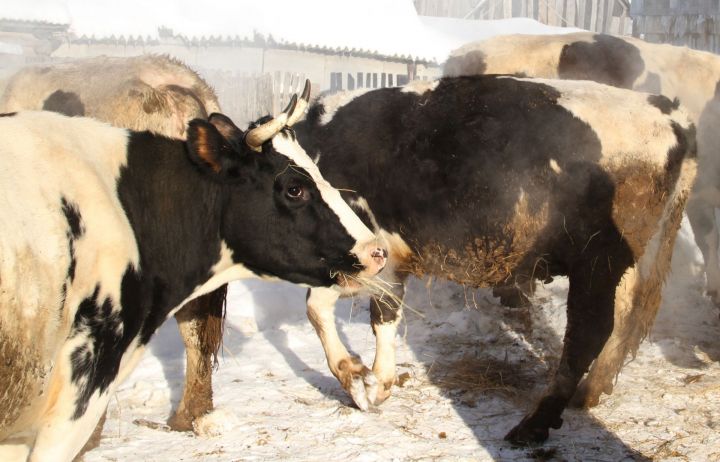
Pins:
x,y
371,27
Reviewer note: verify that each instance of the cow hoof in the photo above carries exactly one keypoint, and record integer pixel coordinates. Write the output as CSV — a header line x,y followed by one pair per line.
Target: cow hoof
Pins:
x,y
360,383
364,390
526,433
181,422
383,393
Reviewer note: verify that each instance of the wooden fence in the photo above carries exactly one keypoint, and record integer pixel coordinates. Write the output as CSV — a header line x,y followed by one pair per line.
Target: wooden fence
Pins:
x,y
247,97
607,16
695,23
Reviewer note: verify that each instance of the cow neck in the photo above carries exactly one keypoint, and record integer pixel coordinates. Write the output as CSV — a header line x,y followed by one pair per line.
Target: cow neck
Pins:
x,y
174,211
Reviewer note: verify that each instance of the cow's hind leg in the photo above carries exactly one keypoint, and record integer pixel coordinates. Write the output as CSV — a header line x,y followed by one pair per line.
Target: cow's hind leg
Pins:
x,y
589,324
200,322
354,376
385,315
637,301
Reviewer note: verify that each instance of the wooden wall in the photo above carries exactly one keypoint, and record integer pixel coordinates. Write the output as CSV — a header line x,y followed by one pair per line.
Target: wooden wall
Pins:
x,y
607,16
695,23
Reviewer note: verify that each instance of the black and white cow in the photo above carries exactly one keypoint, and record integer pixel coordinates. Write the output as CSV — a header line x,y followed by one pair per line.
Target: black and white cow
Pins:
x,y
107,232
147,92
490,180
677,72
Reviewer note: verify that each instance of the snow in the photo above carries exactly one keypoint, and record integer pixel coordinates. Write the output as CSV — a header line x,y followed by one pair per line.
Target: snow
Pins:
x,y
389,28
471,368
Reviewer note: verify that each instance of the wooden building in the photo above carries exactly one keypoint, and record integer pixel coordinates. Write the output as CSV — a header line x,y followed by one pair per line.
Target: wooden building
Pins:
x,y
606,16
695,23
252,76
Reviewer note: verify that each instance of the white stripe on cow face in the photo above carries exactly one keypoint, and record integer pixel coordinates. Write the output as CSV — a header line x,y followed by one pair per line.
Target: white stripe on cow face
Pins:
x,y
354,226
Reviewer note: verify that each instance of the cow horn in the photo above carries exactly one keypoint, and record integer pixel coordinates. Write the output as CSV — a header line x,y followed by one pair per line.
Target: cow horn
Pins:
x,y
258,135
301,106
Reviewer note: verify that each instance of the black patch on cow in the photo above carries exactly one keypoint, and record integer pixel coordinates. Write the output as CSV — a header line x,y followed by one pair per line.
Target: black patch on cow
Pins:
x,y
652,84
471,63
67,103
610,60
361,212
73,217
686,147
420,148
8,114
75,231
95,363
665,104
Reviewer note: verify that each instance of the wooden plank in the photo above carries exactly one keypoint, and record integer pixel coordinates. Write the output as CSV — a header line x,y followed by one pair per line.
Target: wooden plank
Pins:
x,y
275,92
599,15
582,22
593,15
542,11
507,9
561,12
570,12
609,8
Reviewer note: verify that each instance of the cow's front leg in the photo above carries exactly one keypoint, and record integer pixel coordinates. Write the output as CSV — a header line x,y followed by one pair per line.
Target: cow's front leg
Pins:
x,y
355,378
385,315
62,433
94,440
200,323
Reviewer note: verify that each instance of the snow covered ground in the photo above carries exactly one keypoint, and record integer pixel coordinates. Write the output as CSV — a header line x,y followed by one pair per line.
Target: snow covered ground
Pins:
x,y
471,369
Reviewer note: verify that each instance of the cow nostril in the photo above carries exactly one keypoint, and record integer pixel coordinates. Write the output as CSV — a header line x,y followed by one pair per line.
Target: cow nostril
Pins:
x,y
379,253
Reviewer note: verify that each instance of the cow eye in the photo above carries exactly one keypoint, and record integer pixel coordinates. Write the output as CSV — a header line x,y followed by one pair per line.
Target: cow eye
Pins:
x,y
296,193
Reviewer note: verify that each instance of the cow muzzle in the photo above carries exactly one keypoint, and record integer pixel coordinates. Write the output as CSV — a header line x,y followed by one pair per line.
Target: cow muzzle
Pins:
x,y
372,258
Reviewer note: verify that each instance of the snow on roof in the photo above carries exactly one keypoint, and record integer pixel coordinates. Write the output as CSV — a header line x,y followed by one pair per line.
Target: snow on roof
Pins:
x,y
388,28
462,31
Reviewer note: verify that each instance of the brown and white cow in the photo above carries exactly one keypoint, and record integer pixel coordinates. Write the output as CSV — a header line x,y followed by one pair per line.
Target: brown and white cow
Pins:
x,y
108,232
148,92
677,72
489,180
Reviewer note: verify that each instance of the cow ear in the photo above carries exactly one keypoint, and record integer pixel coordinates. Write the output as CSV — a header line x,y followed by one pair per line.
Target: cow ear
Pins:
x,y
209,149
226,127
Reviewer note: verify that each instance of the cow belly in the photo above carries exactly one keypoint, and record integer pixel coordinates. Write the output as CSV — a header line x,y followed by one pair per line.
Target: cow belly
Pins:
x,y
31,329
488,259
23,378
480,264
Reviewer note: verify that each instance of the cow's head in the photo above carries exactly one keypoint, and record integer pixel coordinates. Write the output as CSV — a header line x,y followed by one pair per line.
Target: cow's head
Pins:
x,y
281,218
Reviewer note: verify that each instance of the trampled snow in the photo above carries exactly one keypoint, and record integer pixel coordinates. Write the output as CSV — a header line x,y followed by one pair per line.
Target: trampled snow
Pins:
x,y
471,368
